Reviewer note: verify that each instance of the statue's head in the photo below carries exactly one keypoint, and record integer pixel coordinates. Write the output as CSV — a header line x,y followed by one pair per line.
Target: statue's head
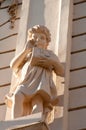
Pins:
x,y
40,35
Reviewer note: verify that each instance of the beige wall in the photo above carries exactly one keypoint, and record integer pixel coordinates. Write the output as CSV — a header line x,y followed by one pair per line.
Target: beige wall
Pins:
x,y
8,38
77,84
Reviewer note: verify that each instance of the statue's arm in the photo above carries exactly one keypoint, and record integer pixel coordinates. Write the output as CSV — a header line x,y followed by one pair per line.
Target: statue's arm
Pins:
x,y
20,58
58,68
17,60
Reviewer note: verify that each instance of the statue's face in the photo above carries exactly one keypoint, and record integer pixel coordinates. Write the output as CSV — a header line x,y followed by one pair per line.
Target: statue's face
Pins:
x,y
40,40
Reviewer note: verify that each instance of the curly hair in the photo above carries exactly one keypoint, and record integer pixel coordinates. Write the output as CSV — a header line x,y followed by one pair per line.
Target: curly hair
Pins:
x,y
40,29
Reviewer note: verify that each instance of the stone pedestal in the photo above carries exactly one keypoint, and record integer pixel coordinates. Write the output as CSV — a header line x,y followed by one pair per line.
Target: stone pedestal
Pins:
x,y
35,126
32,122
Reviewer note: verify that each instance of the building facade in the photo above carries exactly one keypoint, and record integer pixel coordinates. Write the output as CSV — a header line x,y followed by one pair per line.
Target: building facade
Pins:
x,y
66,20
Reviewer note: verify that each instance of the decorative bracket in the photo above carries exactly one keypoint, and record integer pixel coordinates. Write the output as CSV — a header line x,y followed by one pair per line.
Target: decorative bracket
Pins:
x,y
12,10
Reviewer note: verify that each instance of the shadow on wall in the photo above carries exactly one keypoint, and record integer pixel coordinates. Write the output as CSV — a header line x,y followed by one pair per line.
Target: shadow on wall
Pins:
x,y
36,13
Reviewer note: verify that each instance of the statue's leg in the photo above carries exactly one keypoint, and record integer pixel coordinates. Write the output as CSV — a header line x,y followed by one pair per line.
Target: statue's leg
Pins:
x,y
17,108
27,108
37,104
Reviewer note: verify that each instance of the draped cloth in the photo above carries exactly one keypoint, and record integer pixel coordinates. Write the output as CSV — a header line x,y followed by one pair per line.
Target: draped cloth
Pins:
x,y
36,79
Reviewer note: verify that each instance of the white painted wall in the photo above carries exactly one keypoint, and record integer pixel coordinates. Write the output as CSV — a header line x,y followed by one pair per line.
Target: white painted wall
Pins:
x,y
45,12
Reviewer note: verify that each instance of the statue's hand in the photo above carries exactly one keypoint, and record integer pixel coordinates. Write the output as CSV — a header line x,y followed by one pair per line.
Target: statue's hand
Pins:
x,y
44,63
8,100
28,46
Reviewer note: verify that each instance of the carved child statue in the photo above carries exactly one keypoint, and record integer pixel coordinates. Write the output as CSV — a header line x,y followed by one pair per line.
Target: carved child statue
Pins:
x,y
35,91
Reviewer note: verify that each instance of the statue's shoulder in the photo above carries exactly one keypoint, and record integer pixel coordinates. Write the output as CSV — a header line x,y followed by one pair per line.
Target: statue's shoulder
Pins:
x,y
52,53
